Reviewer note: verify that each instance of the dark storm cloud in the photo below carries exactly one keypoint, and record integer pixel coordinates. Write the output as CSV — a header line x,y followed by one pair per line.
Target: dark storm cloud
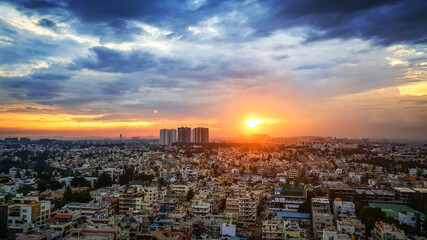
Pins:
x,y
117,31
308,7
24,46
50,76
386,22
171,14
39,4
30,89
27,50
35,86
109,60
100,10
119,87
44,22
22,53
106,10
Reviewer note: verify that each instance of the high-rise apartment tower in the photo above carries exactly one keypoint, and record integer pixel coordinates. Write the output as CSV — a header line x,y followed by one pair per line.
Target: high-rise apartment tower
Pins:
x,y
167,136
200,135
184,134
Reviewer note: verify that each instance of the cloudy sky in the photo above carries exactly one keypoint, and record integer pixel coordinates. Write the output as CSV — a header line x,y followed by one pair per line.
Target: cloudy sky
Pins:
x,y
100,68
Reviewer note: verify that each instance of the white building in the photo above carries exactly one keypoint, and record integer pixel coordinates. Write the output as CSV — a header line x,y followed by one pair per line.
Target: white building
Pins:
x,y
384,230
273,229
321,216
410,218
333,235
320,205
247,210
351,226
28,210
15,172
181,189
344,209
167,136
228,230
10,188
66,181
201,208
151,194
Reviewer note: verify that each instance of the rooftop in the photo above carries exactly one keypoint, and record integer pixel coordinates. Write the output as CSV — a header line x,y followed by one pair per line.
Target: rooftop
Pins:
x,y
393,210
292,190
421,190
320,200
295,215
402,189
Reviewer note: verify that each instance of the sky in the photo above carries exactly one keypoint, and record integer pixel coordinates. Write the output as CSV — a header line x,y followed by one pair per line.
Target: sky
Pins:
x,y
83,68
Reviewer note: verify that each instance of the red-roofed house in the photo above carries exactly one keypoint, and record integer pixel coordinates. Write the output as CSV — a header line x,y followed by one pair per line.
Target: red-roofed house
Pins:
x,y
62,222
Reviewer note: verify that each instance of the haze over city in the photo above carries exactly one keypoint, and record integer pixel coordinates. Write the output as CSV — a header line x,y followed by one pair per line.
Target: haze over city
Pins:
x,y
296,68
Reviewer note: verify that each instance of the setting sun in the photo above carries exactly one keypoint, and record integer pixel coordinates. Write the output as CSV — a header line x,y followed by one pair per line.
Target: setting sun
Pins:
x,y
252,123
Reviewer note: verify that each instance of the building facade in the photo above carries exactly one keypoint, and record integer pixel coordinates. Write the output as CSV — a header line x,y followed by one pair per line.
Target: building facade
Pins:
x,y
200,135
184,134
167,136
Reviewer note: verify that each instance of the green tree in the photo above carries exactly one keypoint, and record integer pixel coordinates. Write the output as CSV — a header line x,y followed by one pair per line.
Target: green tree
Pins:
x,y
52,184
306,206
369,216
222,205
104,180
418,202
41,185
68,194
127,175
79,182
190,194
260,208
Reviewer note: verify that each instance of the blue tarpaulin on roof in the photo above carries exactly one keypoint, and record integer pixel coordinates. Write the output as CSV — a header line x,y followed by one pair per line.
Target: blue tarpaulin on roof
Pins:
x,y
292,215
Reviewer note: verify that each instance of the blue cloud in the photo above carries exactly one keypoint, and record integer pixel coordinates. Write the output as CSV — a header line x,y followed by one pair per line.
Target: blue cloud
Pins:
x,y
33,87
50,76
39,4
23,52
6,29
44,22
109,60
117,31
384,21
23,46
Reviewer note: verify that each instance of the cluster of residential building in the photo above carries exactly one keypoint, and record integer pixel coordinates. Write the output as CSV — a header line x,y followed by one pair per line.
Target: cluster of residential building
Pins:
x,y
311,188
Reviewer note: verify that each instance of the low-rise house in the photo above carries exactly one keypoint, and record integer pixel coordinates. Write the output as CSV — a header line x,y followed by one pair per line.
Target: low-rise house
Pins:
x,y
385,231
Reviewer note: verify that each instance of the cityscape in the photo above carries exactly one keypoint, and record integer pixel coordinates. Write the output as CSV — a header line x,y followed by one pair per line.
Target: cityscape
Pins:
x,y
213,120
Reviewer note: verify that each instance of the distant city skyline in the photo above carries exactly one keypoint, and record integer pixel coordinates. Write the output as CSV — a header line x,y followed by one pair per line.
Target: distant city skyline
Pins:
x,y
296,68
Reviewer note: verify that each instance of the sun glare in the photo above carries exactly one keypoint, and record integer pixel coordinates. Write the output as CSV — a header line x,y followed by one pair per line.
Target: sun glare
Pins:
x,y
253,123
